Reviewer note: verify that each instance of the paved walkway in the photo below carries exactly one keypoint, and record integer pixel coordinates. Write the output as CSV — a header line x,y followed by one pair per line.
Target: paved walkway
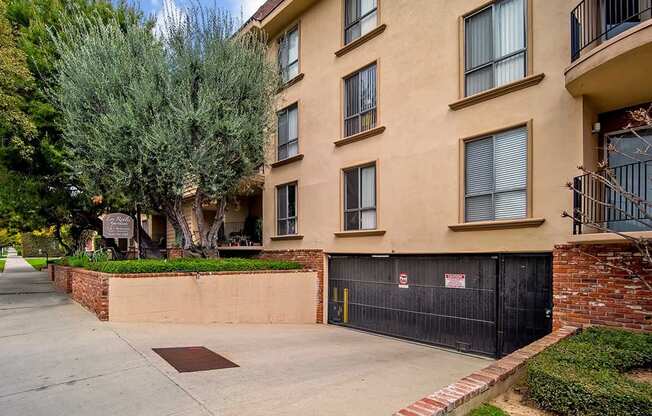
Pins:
x,y
58,359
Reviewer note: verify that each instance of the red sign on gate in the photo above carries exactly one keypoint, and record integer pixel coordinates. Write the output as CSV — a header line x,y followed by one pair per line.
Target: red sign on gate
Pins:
x,y
455,281
403,281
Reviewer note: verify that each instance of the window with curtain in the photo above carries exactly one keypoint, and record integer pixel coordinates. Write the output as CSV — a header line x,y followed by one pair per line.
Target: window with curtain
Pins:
x,y
288,55
360,18
495,46
360,101
286,200
288,132
496,177
360,198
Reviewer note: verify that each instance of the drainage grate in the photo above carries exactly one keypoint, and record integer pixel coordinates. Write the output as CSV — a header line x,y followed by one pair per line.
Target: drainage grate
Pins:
x,y
190,359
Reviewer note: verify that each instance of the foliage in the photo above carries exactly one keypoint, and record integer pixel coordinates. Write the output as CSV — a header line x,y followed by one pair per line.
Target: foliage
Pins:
x,y
185,265
36,188
40,243
2,265
197,101
488,410
583,375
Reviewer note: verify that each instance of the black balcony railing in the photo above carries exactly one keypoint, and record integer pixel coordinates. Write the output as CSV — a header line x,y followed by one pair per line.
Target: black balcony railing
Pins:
x,y
624,209
594,21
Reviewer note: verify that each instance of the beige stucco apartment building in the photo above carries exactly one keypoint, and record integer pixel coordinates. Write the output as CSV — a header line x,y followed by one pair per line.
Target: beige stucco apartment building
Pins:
x,y
424,147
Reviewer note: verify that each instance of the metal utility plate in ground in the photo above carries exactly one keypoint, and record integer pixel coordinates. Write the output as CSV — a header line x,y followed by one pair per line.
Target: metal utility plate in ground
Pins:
x,y
191,359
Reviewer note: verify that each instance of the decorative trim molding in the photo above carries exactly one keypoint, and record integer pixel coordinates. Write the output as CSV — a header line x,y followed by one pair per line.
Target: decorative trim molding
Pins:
x,y
361,40
360,136
286,237
361,233
287,161
291,82
498,225
497,92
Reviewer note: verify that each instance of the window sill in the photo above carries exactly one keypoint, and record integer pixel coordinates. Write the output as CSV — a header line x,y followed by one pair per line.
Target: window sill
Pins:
x,y
291,82
497,225
361,40
497,92
287,237
360,136
287,161
360,233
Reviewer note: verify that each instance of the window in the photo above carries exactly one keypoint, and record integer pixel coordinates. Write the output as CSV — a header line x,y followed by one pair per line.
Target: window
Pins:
x,y
495,46
360,198
360,101
360,18
288,55
288,132
496,175
286,200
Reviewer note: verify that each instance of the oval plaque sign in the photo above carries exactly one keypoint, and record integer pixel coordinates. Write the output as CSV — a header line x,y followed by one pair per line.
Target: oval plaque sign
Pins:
x,y
117,226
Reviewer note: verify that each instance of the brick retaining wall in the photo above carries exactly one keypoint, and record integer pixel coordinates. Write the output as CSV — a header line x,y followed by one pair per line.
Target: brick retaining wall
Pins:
x,y
91,290
61,278
587,291
481,386
310,259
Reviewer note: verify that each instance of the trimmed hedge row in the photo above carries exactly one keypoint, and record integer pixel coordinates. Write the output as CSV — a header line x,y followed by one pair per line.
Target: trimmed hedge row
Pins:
x,y
583,375
185,265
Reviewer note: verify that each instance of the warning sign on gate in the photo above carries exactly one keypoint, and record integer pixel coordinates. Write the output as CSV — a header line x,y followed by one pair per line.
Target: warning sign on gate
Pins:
x,y
455,281
403,281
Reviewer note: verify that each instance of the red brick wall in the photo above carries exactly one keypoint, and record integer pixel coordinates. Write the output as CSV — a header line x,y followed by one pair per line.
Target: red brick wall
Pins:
x,y
587,291
91,290
310,259
61,278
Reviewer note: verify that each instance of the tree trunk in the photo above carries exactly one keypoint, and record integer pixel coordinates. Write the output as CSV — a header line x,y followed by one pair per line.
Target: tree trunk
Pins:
x,y
197,207
213,234
174,213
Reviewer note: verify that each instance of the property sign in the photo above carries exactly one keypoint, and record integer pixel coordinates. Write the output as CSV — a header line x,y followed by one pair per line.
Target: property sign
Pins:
x,y
403,281
455,281
117,226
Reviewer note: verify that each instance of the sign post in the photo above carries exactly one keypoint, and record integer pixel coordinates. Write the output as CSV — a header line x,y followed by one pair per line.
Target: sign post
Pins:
x,y
117,226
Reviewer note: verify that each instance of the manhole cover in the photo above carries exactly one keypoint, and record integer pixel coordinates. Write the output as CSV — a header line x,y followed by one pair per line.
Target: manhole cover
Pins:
x,y
190,359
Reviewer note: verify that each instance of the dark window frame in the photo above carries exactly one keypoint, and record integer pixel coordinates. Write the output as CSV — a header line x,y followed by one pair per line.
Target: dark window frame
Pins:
x,y
286,111
524,51
360,114
284,41
288,219
360,209
358,20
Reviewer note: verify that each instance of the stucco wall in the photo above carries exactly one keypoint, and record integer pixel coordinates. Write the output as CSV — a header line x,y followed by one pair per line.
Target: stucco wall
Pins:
x,y
277,297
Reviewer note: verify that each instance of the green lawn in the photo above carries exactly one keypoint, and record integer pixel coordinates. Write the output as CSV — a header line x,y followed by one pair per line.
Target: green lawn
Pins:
x,y
2,265
37,262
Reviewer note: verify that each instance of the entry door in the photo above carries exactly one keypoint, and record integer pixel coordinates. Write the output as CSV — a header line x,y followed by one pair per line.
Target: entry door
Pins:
x,y
525,300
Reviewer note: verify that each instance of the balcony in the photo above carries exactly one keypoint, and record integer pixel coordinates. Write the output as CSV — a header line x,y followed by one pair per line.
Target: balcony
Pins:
x,y
611,48
617,200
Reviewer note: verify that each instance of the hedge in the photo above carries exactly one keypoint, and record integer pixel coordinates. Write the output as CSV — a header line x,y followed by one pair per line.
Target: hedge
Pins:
x,y
183,265
488,410
584,375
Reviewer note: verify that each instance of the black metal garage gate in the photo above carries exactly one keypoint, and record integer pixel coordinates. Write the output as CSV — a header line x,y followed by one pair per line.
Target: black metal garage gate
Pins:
x,y
484,304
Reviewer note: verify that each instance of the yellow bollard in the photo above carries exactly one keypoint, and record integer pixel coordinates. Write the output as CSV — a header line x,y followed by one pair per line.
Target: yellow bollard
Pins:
x,y
346,306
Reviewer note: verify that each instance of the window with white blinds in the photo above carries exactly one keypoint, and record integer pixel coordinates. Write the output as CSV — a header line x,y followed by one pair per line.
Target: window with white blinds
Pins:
x,y
288,54
288,132
286,214
360,101
496,177
496,46
360,198
360,18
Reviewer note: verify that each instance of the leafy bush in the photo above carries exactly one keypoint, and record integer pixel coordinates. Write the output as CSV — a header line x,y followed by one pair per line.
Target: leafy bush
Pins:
x,y
189,265
583,375
488,410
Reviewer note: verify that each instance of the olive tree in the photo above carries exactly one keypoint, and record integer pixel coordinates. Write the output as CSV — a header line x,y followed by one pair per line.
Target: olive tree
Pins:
x,y
150,114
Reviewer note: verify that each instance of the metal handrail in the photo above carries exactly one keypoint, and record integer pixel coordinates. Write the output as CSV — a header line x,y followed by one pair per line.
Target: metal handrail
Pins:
x,y
598,20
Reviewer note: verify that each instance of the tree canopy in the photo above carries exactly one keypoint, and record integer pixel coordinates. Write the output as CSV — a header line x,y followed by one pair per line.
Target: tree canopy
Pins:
x,y
149,116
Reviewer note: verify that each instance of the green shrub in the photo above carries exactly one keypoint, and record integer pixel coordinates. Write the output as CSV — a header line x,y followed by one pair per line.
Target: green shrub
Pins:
x,y
488,410
583,375
189,265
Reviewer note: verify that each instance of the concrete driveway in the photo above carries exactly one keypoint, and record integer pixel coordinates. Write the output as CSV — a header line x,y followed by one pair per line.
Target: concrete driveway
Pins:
x,y
58,359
